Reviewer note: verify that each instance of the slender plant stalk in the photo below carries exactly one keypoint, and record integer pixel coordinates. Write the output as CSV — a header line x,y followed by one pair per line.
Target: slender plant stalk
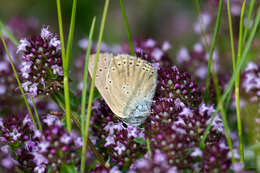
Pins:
x,y
234,76
9,34
64,61
77,122
239,123
84,148
223,115
18,80
85,76
71,33
36,114
130,40
249,15
231,35
216,30
148,146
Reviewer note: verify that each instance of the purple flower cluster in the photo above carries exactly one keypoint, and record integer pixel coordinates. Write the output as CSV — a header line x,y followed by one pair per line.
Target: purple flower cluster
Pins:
x,y
151,51
173,84
196,63
55,146
158,163
251,81
33,150
119,140
41,67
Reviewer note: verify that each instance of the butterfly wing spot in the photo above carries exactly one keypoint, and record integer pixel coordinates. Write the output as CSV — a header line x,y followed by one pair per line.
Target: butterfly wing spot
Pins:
x,y
113,68
100,69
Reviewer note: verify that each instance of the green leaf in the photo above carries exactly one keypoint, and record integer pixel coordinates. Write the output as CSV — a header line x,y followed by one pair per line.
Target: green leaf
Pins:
x,y
65,168
140,141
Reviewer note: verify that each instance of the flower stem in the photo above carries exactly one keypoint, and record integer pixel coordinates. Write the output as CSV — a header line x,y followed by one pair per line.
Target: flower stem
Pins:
x,y
85,76
65,78
231,35
36,114
216,30
18,80
9,34
239,123
250,11
71,33
130,40
84,148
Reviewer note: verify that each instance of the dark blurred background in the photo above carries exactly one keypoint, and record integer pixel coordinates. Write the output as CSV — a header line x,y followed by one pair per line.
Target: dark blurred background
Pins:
x,y
170,20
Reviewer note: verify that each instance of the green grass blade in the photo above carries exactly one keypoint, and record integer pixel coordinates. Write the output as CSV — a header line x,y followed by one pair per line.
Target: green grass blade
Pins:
x,y
84,148
239,123
231,35
71,33
234,76
65,78
9,34
18,80
216,30
36,114
85,76
249,15
130,41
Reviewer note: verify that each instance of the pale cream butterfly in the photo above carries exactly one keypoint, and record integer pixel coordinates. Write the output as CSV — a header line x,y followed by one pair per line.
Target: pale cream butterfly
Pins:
x,y
127,84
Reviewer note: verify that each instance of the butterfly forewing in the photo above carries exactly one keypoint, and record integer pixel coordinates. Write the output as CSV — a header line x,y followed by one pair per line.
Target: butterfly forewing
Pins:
x,y
127,84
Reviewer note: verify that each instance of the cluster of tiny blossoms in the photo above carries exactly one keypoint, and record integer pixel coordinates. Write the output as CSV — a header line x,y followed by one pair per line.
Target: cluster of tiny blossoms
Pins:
x,y
195,61
152,51
119,140
55,146
41,67
37,151
251,81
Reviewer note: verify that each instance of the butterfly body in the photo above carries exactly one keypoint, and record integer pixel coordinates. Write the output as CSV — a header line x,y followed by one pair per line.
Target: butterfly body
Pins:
x,y
127,84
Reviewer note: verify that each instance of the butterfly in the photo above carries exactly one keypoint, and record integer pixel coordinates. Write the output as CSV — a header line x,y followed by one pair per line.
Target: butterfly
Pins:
x,y
127,84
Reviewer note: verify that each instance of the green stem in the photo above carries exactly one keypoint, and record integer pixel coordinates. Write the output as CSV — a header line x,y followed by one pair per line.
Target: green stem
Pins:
x,y
234,76
249,15
36,114
65,78
216,30
9,34
18,80
239,123
84,89
223,115
231,35
148,146
130,41
84,148
71,33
